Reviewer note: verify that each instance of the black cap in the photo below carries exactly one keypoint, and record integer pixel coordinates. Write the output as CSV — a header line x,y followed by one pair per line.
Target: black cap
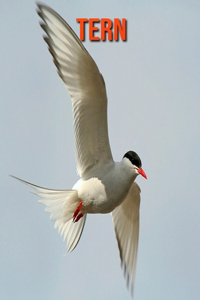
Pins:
x,y
134,158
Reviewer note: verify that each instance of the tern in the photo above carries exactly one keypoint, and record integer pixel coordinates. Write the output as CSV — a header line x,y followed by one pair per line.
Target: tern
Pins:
x,y
105,186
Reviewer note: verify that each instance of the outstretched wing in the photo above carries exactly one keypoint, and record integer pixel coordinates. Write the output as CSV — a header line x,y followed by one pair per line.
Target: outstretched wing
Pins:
x,y
86,88
126,224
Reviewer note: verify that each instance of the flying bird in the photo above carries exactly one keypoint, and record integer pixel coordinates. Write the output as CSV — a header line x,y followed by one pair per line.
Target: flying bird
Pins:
x,y
105,186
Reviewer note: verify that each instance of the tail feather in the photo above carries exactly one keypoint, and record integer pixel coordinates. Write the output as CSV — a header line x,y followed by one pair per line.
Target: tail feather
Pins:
x,y
75,234
62,205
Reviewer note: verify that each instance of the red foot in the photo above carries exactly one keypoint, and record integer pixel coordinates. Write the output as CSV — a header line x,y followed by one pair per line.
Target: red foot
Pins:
x,y
77,216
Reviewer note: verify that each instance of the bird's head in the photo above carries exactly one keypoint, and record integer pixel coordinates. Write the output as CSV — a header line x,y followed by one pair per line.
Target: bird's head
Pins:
x,y
135,162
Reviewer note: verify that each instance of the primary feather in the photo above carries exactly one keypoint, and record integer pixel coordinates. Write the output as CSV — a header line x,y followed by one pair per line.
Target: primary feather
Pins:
x,y
86,88
126,223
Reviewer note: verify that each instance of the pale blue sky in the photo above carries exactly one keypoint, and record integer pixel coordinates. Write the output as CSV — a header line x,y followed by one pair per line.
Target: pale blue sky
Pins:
x,y
153,87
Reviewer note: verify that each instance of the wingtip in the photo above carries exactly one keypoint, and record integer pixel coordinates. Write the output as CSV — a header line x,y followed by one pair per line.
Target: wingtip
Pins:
x,y
40,4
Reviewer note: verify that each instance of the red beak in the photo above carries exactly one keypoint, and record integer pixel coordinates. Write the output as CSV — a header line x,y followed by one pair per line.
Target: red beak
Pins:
x,y
141,172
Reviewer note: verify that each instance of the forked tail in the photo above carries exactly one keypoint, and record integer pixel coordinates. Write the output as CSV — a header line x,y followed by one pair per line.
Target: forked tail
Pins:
x,y
61,204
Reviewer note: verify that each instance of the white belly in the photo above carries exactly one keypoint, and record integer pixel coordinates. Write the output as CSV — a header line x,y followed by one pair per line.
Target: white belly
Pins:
x,y
102,195
93,195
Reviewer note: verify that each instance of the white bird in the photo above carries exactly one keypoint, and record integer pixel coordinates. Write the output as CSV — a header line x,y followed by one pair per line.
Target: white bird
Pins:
x,y
105,186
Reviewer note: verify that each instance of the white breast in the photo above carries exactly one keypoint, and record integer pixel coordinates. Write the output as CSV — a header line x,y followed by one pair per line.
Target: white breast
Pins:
x,y
103,193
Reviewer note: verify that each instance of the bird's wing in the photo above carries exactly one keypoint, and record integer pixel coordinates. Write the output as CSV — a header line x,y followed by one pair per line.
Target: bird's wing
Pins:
x,y
126,223
86,87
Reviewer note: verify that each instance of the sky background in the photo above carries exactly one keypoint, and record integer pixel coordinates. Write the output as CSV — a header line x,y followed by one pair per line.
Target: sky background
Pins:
x,y
153,87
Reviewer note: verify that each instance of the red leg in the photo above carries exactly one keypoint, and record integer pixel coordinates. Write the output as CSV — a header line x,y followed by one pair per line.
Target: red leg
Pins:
x,y
76,216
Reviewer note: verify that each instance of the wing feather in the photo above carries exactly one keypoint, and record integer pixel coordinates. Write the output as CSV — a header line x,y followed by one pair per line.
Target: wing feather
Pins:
x,y
86,87
126,224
